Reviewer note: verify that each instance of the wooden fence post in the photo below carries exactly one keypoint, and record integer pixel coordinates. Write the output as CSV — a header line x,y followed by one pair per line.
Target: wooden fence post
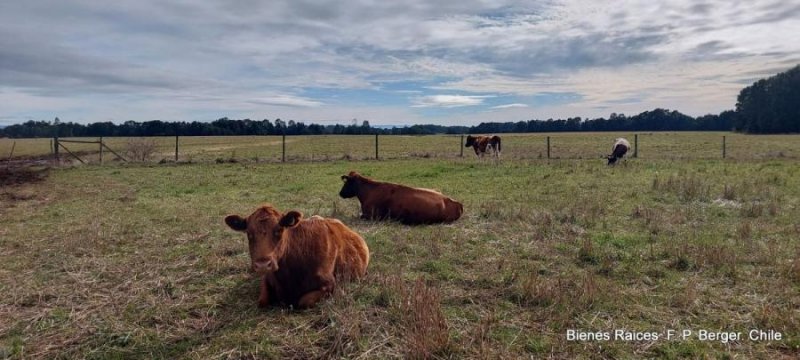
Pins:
x,y
376,146
283,148
176,148
55,148
548,147
635,145
11,154
101,150
461,146
723,146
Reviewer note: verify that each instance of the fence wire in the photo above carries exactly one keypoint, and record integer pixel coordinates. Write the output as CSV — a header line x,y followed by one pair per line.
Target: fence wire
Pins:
x,y
651,145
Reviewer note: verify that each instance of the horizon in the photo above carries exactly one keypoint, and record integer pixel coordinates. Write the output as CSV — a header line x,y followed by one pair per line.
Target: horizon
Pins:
x,y
392,65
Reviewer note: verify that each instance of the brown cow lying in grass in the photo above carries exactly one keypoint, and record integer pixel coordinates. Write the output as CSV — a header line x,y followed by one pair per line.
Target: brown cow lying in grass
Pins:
x,y
300,260
481,143
380,200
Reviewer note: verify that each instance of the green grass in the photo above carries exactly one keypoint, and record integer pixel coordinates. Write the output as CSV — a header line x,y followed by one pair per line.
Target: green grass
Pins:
x,y
135,261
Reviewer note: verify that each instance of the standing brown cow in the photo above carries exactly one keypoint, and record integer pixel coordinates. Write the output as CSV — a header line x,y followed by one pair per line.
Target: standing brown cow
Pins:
x,y
381,200
300,260
482,143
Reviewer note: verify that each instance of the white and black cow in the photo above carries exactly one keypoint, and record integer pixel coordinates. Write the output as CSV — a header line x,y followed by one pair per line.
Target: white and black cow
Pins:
x,y
621,147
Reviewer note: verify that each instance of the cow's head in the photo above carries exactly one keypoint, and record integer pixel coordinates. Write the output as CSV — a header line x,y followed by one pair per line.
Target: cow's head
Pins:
x,y
350,187
470,141
265,230
611,159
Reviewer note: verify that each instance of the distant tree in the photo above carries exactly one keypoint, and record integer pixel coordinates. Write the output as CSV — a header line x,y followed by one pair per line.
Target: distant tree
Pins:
x,y
770,105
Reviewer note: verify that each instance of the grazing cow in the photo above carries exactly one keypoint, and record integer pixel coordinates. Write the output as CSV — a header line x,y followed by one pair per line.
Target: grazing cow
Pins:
x,y
410,206
482,143
299,260
621,147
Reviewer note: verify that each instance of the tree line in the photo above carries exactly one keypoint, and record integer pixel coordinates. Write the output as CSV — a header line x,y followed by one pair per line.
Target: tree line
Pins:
x,y
770,105
656,120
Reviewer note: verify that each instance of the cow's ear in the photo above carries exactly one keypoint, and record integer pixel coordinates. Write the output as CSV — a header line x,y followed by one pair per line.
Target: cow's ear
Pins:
x,y
236,222
291,219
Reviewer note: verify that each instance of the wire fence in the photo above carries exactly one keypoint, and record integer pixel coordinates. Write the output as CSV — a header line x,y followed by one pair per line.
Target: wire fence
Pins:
x,y
647,145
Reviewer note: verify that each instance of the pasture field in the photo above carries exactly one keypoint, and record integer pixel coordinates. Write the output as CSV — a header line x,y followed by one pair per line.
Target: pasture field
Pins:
x,y
134,261
652,145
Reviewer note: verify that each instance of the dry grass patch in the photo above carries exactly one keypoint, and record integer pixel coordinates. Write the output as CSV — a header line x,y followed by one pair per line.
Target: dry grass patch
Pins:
x,y
140,149
423,331
686,187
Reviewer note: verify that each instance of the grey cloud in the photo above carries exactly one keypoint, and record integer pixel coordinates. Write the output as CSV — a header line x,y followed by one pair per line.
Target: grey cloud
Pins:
x,y
776,11
591,50
701,8
712,50
53,67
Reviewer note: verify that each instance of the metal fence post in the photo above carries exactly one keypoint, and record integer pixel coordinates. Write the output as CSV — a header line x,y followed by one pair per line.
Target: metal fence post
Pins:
x,y
55,149
723,146
101,150
548,147
635,145
376,146
283,148
461,146
176,148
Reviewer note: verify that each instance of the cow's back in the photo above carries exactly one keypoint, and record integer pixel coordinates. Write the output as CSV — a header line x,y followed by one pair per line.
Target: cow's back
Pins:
x,y
352,253
421,206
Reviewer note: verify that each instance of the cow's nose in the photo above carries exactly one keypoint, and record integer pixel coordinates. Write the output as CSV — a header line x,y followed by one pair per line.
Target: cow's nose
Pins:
x,y
265,265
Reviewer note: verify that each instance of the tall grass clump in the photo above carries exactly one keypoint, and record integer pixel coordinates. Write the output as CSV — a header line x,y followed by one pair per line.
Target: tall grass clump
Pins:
x,y
417,309
685,187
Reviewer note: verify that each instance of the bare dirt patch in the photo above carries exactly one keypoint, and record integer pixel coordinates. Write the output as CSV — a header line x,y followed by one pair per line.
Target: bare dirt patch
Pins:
x,y
22,172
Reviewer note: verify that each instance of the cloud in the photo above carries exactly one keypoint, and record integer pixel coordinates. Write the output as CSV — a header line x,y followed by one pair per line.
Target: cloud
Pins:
x,y
448,101
508,106
85,59
287,100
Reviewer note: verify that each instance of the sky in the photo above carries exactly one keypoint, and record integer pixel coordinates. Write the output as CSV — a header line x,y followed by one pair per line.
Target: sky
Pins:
x,y
388,62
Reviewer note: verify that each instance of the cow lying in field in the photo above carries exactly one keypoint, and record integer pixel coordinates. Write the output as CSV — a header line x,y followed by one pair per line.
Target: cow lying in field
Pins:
x,y
411,206
300,260
621,147
482,143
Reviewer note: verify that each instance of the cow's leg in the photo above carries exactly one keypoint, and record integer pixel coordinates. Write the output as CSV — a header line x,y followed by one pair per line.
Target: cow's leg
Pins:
x,y
263,294
371,213
312,297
